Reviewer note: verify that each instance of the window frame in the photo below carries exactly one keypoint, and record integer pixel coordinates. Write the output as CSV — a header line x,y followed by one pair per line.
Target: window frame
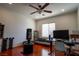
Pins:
x,y
48,30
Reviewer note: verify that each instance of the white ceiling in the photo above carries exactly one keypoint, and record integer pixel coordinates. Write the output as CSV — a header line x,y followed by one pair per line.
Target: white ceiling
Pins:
x,y
56,8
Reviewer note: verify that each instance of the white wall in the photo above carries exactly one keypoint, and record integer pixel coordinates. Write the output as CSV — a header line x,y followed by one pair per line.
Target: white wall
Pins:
x,y
64,21
15,25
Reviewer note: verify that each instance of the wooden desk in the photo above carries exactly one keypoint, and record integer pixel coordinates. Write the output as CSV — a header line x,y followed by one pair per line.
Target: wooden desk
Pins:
x,y
74,36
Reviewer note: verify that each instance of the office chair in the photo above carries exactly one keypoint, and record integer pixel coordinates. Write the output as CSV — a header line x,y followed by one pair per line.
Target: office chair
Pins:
x,y
60,36
59,47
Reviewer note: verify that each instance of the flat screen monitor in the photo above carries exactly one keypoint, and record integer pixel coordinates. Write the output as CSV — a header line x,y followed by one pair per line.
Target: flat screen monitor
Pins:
x,y
61,34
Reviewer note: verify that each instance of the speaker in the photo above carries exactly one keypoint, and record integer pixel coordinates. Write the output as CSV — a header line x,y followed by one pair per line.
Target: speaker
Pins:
x,y
10,42
4,44
29,34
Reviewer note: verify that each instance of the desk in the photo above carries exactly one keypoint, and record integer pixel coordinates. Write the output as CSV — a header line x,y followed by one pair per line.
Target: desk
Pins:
x,y
75,36
70,44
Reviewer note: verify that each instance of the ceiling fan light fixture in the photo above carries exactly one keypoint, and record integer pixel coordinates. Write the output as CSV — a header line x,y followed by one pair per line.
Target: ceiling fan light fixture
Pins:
x,y
62,10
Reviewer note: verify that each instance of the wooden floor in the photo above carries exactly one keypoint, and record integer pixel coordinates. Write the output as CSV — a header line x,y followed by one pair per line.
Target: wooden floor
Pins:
x,y
38,50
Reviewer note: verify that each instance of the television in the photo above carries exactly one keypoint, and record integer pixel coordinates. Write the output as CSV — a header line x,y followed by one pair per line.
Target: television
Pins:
x,y
61,34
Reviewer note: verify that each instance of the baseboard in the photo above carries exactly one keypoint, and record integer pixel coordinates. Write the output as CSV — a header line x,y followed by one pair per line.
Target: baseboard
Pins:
x,y
18,44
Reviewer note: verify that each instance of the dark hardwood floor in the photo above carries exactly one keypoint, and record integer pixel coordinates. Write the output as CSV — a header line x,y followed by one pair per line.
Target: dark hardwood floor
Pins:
x,y
38,50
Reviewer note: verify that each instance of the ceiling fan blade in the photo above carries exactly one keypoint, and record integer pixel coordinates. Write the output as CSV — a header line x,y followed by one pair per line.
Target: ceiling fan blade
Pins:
x,y
47,11
34,12
45,5
33,7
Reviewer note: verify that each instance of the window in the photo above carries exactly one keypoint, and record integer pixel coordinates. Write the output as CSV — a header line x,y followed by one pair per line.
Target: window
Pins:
x,y
47,29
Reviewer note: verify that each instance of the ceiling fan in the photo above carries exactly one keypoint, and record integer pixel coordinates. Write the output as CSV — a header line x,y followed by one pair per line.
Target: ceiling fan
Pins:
x,y
40,8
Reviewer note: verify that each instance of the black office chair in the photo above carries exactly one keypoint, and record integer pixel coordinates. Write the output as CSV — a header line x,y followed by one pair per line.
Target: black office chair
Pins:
x,y
59,47
59,44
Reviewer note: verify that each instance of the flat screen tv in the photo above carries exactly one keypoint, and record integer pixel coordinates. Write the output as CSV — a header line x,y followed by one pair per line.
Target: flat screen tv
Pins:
x,y
61,34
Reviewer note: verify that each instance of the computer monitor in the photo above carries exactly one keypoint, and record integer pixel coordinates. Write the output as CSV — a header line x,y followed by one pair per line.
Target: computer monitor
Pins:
x,y
61,34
